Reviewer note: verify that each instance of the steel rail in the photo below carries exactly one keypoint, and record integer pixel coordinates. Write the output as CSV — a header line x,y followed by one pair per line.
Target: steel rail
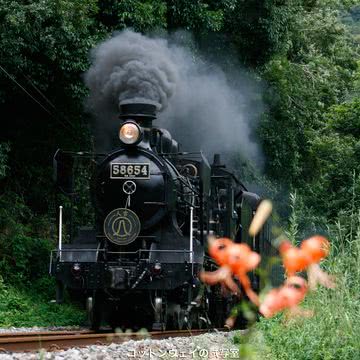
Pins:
x,y
44,333
60,340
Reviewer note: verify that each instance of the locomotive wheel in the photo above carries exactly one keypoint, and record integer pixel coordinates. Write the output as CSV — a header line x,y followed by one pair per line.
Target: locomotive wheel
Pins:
x,y
197,319
187,320
180,318
172,316
183,319
201,320
176,317
160,314
93,307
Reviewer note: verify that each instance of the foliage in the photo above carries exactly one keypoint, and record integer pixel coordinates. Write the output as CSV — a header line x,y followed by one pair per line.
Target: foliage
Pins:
x,y
140,15
337,153
263,28
306,52
310,80
4,149
24,308
199,16
44,48
331,332
25,286
315,74
24,244
351,19
49,41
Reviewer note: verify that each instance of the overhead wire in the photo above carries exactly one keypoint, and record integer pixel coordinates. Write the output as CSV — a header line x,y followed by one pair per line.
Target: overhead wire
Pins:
x,y
21,87
40,92
47,100
12,78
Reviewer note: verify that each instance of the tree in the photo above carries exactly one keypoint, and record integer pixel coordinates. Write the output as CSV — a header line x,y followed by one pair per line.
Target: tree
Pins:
x,y
142,16
44,48
337,153
259,29
4,149
314,73
200,17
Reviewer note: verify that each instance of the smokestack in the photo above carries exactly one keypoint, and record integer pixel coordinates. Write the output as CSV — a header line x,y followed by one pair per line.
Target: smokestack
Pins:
x,y
217,161
144,112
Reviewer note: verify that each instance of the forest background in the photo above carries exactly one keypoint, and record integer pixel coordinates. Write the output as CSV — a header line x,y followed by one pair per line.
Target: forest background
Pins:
x,y
305,53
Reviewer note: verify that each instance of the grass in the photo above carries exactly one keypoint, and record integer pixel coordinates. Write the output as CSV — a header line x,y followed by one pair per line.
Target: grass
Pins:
x,y
333,332
25,285
23,308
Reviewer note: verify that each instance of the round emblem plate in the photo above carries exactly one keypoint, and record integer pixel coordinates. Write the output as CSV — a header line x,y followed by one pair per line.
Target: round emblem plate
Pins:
x,y
129,187
122,226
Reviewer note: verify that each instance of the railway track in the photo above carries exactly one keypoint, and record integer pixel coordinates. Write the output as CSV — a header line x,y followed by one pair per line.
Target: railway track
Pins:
x,y
61,340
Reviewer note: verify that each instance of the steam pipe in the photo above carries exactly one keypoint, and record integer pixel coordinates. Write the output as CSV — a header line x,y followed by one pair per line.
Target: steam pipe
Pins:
x,y
191,239
60,231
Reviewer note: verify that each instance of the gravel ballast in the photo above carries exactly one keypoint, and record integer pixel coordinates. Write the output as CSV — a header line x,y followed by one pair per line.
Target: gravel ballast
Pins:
x,y
207,346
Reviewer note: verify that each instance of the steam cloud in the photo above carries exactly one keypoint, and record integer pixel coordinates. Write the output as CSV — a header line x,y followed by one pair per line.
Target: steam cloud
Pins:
x,y
131,67
204,107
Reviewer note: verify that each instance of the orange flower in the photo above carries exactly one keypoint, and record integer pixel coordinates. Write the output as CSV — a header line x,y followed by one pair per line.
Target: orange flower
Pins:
x,y
310,253
218,250
237,259
273,303
241,260
287,297
294,290
222,276
317,248
294,259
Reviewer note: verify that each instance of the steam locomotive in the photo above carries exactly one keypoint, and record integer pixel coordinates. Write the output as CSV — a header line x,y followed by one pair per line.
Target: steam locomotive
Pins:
x,y
154,208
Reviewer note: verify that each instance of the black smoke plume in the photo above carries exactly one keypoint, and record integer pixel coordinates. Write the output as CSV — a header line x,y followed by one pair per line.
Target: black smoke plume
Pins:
x,y
205,107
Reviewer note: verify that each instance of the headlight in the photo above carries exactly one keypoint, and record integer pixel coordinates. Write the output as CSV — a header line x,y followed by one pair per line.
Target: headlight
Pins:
x,y
129,133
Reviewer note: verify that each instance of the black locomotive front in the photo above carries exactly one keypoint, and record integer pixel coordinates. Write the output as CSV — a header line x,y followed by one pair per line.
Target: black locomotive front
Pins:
x,y
155,206
146,238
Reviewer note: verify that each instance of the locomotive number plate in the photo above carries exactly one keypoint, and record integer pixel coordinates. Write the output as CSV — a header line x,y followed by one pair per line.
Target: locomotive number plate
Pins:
x,y
129,171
